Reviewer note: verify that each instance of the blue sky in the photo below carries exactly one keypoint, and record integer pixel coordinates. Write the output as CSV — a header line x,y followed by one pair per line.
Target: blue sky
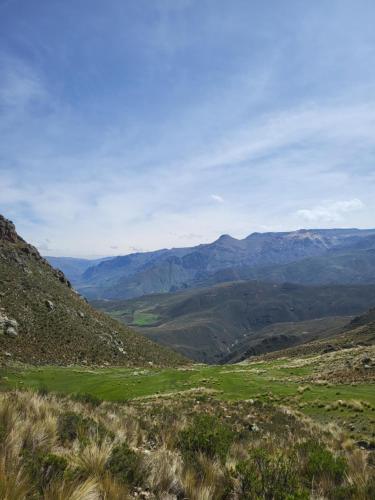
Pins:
x,y
139,124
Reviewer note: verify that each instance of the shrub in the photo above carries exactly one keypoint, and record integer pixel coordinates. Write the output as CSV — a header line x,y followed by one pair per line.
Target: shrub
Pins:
x,y
68,426
207,435
72,426
87,398
273,476
124,464
43,390
321,463
45,468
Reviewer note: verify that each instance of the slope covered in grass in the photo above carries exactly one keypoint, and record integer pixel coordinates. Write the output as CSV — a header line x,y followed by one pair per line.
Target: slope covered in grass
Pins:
x,y
43,320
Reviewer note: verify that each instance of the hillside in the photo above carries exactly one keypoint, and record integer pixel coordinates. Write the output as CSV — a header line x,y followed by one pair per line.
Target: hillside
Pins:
x,y
208,324
337,256
43,320
358,333
281,336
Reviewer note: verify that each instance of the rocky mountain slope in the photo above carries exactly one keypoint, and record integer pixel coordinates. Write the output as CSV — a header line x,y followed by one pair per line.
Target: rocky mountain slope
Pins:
x,y
43,320
305,256
210,324
357,333
350,265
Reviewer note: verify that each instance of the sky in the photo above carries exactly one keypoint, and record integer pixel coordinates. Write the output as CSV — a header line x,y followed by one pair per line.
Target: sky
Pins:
x,y
133,125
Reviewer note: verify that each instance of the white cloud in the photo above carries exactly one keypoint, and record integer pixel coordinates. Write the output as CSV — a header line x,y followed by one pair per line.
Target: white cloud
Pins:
x,y
331,212
218,198
112,195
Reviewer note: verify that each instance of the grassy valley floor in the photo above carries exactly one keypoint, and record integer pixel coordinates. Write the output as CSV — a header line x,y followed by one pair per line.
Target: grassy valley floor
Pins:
x,y
332,387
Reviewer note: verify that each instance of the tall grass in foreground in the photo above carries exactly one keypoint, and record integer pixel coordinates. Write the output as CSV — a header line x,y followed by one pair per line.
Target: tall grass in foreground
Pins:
x,y
56,448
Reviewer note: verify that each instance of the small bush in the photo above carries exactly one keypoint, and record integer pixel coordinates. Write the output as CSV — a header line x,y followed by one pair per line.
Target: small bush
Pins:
x,y
207,435
273,476
68,426
320,463
72,426
87,398
124,464
43,390
45,468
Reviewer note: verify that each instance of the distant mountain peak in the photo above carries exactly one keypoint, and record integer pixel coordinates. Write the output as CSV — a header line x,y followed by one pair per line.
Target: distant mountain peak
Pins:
x,y
224,238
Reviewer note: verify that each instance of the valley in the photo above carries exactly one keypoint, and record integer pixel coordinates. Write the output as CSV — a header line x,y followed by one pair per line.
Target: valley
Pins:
x,y
241,389
209,324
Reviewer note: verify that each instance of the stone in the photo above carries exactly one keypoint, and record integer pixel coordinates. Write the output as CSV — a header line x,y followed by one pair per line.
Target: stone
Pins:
x,y
366,361
81,314
50,305
12,323
11,332
8,326
366,445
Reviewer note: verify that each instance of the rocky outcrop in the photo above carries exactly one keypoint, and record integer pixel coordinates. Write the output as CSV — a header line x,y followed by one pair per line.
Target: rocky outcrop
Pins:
x,y
23,250
8,326
8,231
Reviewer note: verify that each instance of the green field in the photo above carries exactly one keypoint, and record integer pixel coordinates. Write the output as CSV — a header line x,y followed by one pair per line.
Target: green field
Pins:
x,y
277,381
141,318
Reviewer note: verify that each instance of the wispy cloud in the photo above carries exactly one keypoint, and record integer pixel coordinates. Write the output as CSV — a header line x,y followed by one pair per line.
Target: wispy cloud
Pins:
x,y
331,212
20,85
218,198
206,127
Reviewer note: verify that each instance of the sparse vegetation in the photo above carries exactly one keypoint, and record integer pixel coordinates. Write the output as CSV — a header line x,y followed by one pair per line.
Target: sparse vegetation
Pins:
x,y
248,450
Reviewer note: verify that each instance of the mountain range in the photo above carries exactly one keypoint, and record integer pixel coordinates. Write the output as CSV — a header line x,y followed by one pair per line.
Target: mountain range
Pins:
x,y
316,256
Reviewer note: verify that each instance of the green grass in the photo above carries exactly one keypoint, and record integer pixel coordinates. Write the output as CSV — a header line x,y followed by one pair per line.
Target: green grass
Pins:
x,y
270,381
141,318
134,318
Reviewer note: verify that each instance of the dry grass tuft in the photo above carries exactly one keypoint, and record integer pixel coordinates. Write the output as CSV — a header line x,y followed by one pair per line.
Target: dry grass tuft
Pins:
x,y
14,483
163,470
92,458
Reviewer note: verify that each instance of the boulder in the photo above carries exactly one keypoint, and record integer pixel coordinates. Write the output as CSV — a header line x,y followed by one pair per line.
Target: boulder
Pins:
x,y
8,326
11,332
50,305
